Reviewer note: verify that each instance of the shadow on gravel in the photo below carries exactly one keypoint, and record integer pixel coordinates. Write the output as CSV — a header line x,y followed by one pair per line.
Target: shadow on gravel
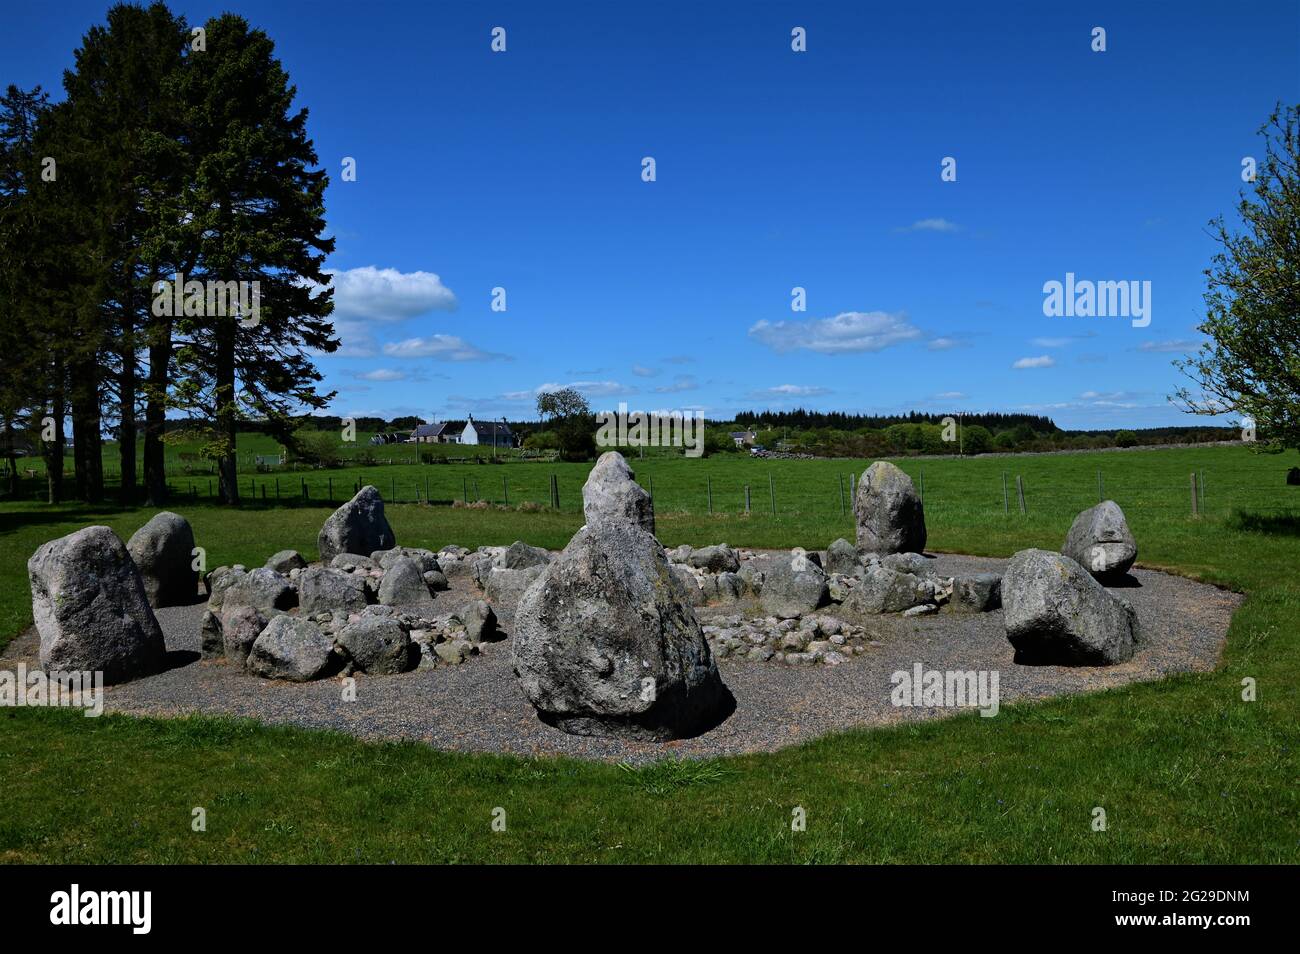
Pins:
x,y
1126,582
178,659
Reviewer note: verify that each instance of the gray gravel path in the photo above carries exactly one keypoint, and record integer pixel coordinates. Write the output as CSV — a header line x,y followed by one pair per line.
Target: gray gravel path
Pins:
x,y
478,707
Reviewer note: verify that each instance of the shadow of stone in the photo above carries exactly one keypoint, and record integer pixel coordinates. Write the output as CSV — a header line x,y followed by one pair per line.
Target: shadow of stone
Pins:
x,y
178,659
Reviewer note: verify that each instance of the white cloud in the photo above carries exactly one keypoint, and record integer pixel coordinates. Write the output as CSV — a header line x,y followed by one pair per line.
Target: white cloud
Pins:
x,y
588,388
382,374
847,333
1061,341
945,343
1042,361
932,225
681,382
790,390
1168,347
385,294
641,371
439,347
950,396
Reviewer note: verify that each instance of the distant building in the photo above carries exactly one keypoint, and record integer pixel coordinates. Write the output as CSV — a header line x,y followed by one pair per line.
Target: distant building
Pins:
x,y
491,433
444,432
744,438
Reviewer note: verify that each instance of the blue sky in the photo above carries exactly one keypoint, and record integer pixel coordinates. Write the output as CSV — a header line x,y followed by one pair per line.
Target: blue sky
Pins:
x,y
775,169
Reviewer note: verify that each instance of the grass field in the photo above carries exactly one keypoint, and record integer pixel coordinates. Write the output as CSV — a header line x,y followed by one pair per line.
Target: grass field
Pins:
x,y
1186,770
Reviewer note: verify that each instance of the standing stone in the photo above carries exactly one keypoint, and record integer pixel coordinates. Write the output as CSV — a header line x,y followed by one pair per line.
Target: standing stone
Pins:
x,y
1057,613
612,495
890,516
606,642
292,648
163,550
91,610
359,526
1100,541
793,585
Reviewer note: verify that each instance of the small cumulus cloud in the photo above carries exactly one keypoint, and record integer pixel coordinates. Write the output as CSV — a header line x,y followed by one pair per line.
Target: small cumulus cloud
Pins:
x,y
681,382
385,294
1168,347
382,374
849,332
931,225
440,348
1062,341
641,371
588,388
790,391
1041,361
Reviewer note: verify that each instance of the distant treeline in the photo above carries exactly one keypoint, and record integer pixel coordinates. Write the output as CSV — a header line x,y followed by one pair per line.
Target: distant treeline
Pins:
x,y
804,420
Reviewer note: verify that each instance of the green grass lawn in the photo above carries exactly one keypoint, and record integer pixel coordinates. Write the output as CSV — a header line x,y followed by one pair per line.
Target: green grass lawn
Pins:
x,y
1186,771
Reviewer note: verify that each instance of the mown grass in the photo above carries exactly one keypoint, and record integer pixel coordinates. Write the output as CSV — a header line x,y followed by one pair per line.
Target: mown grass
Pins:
x,y
1185,770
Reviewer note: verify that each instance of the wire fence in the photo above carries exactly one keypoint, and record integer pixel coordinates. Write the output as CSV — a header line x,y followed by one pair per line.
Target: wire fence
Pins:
x,y
1057,486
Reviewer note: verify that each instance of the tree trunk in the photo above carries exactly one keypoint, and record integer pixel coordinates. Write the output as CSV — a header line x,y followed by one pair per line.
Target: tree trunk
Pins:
x,y
127,384
227,469
54,451
155,417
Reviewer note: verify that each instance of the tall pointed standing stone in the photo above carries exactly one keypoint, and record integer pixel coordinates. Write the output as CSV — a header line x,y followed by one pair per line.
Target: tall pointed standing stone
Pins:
x,y
606,642
890,516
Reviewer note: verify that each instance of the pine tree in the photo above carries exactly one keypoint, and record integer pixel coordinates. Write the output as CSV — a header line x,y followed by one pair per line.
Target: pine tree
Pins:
x,y
254,212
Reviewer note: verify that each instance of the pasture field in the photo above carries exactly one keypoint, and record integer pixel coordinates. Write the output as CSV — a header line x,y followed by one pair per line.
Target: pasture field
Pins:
x,y
1186,770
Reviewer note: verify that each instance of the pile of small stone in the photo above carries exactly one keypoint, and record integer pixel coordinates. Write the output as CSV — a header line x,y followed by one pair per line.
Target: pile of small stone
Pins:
x,y
811,640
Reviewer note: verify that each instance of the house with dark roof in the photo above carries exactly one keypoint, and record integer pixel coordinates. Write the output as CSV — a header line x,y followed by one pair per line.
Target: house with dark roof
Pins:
x,y
744,438
491,433
444,432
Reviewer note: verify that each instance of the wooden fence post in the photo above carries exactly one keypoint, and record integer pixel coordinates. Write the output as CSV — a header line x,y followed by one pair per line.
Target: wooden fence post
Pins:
x,y
708,492
746,498
1006,499
841,495
1020,492
1196,510
1101,487
771,489
505,490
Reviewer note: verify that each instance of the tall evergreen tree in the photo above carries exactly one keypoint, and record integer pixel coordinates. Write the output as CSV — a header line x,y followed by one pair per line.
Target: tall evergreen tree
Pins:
x,y
254,212
123,113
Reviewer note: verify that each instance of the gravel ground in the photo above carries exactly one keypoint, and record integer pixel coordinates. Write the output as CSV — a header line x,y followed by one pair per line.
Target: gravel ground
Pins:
x,y
478,706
